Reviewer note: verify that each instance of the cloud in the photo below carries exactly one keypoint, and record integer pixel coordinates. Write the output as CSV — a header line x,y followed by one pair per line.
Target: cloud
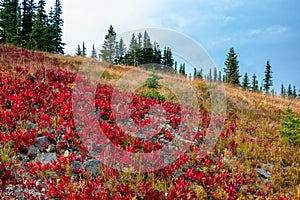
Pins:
x,y
273,30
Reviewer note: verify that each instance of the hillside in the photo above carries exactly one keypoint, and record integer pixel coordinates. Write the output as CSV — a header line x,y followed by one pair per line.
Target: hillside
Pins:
x,y
45,155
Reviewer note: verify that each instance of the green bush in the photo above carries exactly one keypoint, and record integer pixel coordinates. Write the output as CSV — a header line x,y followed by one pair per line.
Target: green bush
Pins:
x,y
290,131
155,95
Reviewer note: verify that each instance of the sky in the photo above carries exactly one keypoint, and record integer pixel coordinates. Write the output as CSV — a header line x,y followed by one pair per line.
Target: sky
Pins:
x,y
258,30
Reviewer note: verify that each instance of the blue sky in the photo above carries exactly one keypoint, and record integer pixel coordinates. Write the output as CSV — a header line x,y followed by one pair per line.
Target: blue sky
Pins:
x,y
258,30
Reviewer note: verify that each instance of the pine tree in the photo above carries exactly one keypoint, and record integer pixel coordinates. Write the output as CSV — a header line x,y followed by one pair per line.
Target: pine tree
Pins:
x,y
10,22
157,54
268,78
83,53
282,91
294,92
232,68
245,83
78,51
175,66
254,83
108,49
220,77
28,15
147,49
94,52
195,73
209,77
122,51
215,74
290,91
131,55
39,34
57,25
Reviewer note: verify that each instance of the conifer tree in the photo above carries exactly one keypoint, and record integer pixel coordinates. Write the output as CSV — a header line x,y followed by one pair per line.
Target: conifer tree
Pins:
x,y
83,53
108,49
157,54
147,49
290,91
78,51
39,34
28,15
268,78
232,68
122,51
57,28
245,83
294,92
10,21
282,91
215,74
254,83
94,52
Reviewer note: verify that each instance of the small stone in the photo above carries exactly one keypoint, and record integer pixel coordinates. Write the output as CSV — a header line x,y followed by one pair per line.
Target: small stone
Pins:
x,y
75,166
93,166
46,158
32,151
42,143
264,173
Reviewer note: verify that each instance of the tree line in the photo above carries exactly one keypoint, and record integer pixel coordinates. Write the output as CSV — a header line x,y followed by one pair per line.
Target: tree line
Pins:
x,y
142,51
26,24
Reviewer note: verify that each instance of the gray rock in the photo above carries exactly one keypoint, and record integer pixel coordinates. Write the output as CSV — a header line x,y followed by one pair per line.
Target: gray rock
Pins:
x,y
42,143
32,151
264,173
76,165
46,158
93,166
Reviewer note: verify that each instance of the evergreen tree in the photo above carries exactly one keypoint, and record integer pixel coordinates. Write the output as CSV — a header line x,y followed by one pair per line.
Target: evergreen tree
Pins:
x,y
232,68
282,91
268,78
200,74
28,15
10,21
175,66
78,51
131,55
220,77
195,73
39,34
83,50
108,49
94,52
122,51
215,74
51,32
167,57
294,92
157,54
254,83
245,83
290,91
147,49
57,28
209,77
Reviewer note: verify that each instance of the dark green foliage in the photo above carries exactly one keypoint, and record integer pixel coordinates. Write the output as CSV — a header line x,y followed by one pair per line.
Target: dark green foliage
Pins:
x,y
182,69
27,25
232,68
290,131
245,83
215,74
108,49
78,51
155,95
167,58
290,91
282,91
94,52
83,50
152,83
10,21
254,83
268,78
294,92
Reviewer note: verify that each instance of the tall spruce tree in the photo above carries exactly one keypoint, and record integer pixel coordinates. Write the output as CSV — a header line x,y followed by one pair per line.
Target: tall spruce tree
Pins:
x,y
215,74
268,78
290,91
28,9
58,23
246,82
254,83
39,34
108,49
83,50
147,49
122,51
10,21
282,91
78,51
94,52
232,68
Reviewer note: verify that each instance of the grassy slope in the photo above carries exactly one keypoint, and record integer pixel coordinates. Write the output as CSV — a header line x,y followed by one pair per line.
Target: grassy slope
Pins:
x,y
257,116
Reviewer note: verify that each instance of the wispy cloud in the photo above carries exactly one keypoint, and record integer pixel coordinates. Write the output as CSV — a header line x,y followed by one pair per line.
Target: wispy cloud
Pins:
x,y
267,31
